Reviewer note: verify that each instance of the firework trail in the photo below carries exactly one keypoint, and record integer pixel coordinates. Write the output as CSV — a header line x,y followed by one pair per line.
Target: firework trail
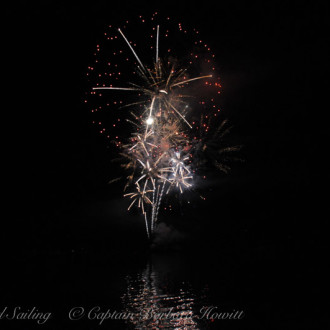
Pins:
x,y
166,146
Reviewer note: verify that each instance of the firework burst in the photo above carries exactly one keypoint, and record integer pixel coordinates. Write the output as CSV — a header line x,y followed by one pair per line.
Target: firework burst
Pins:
x,y
166,145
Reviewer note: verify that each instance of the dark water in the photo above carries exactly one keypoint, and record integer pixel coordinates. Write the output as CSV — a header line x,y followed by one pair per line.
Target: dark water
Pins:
x,y
144,290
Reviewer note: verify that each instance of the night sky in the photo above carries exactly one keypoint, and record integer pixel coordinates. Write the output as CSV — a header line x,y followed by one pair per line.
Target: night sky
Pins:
x,y
272,59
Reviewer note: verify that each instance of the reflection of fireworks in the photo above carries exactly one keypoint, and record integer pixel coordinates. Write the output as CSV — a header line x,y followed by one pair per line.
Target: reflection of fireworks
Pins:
x,y
167,147
153,307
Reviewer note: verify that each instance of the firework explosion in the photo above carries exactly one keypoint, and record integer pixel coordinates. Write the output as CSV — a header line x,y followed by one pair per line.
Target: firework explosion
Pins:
x,y
169,111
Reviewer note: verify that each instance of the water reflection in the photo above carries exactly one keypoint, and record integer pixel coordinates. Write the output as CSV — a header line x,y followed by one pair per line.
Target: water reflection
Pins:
x,y
156,299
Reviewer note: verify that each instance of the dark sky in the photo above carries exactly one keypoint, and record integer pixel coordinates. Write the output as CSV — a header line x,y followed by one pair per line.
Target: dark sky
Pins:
x,y
271,57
